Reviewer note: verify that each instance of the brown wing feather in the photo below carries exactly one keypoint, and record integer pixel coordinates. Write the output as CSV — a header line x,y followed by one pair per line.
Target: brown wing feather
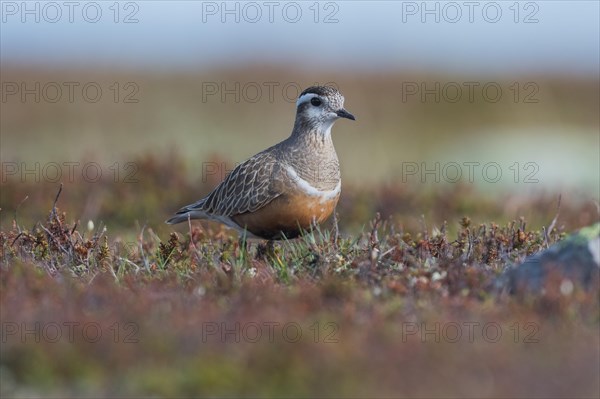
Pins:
x,y
249,187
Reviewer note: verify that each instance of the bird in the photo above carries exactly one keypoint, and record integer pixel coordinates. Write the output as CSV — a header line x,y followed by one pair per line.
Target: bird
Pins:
x,y
287,188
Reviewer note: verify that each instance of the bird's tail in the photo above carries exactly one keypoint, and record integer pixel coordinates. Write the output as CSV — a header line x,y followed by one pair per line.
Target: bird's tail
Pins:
x,y
177,219
183,216
192,211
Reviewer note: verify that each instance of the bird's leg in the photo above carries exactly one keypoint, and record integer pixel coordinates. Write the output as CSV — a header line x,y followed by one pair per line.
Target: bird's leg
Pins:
x,y
313,226
271,248
265,251
336,229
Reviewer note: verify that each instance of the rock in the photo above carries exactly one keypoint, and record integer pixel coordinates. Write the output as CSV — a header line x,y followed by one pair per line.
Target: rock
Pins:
x,y
573,262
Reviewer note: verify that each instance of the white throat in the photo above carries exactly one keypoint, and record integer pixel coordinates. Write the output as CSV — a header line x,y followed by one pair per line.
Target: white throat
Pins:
x,y
310,190
325,127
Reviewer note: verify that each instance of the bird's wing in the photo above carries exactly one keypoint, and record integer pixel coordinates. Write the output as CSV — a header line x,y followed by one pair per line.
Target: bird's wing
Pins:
x,y
249,187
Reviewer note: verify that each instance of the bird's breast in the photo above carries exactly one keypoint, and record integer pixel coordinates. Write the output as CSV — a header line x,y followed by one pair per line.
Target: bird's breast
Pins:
x,y
288,214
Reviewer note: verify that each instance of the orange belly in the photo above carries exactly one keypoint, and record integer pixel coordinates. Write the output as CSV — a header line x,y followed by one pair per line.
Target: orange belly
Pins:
x,y
286,216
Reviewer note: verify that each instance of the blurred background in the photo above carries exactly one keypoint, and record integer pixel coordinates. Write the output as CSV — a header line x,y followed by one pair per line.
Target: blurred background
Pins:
x,y
140,107
477,109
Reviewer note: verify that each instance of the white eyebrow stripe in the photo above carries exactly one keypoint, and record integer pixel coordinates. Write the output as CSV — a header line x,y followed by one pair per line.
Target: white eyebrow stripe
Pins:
x,y
305,97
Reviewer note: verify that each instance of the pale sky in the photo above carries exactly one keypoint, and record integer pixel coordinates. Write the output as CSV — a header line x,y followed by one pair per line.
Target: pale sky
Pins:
x,y
463,36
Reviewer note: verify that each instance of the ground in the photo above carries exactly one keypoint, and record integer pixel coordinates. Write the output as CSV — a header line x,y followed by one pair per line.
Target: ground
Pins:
x,y
388,312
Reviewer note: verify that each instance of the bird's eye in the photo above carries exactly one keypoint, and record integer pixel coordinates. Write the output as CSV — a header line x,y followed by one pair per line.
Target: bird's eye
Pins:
x,y
315,101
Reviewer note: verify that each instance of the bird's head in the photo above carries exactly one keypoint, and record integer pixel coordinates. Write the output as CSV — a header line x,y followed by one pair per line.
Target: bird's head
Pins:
x,y
318,107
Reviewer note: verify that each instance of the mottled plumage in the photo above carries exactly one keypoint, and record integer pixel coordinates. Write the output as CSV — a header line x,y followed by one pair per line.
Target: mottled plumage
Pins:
x,y
283,189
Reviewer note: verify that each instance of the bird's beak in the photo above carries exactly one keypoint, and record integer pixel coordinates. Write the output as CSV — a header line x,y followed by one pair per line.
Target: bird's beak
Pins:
x,y
342,113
